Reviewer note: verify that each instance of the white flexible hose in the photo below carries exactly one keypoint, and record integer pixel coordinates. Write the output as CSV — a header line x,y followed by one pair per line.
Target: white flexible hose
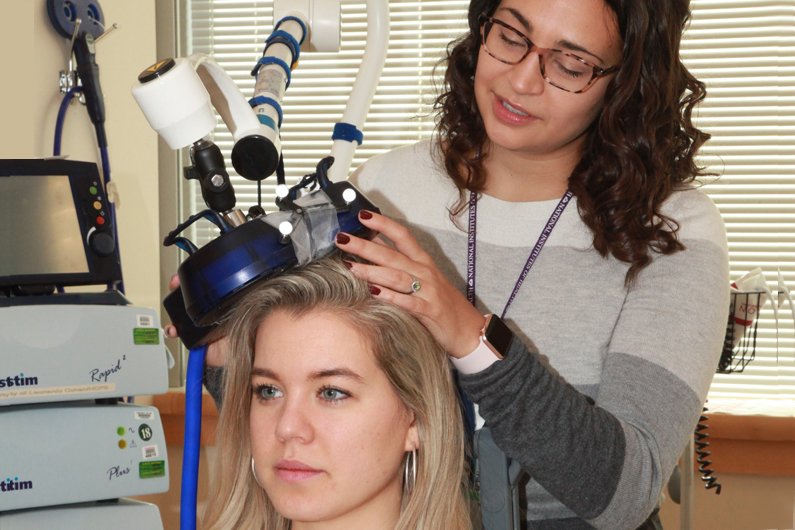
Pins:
x,y
365,85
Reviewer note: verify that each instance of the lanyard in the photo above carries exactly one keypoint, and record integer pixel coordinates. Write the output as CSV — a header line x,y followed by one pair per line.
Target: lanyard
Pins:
x,y
473,214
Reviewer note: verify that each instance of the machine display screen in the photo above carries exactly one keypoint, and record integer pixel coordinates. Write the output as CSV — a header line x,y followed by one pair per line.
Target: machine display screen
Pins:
x,y
39,229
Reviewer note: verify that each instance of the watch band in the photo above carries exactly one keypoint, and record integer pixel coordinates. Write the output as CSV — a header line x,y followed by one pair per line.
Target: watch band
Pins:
x,y
477,361
481,357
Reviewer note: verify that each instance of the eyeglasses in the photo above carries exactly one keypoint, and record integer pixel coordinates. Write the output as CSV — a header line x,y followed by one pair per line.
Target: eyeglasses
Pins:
x,y
566,71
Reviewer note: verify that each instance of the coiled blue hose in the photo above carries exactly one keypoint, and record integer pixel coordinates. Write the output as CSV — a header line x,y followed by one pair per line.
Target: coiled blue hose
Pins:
x,y
193,429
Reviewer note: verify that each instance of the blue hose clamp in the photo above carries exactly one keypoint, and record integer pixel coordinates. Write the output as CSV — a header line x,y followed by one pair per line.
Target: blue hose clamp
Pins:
x,y
262,100
282,37
347,132
272,60
303,26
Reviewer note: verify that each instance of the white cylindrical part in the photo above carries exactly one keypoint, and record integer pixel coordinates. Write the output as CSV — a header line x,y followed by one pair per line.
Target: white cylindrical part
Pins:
x,y
282,191
323,19
365,85
176,105
326,26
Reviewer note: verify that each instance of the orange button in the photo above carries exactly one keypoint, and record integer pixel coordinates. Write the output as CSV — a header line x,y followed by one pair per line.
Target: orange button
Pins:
x,y
98,205
100,221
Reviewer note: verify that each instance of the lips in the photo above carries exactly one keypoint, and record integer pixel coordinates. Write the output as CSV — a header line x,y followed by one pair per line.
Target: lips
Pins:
x,y
294,471
511,118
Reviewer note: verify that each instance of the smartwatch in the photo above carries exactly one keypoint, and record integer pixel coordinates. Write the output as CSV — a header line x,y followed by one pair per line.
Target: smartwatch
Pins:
x,y
495,339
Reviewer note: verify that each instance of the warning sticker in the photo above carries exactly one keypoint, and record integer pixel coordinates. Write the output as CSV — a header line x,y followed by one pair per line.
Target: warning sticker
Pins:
x,y
144,415
145,321
146,336
152,469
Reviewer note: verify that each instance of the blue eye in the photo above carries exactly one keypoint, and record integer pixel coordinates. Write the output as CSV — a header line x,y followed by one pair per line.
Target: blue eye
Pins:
x,y
267,392
333,394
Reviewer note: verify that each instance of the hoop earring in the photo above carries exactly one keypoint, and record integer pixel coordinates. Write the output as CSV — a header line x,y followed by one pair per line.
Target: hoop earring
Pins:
x,y
254,472
410,481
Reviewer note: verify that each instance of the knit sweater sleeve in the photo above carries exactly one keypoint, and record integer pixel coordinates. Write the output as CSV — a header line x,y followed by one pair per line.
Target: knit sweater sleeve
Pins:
x,y
609,461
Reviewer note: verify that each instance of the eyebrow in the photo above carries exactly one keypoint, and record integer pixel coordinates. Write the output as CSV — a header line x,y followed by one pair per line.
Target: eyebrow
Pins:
x,y
562,43
322,374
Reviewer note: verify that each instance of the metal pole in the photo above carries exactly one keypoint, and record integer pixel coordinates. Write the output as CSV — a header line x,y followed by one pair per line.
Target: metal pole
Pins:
x,y
688,464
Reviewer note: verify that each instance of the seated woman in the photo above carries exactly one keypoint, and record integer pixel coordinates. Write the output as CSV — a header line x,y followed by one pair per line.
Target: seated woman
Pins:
x,y
339,412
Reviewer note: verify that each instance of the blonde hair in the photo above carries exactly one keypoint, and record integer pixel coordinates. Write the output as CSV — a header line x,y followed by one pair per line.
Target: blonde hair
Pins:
x,y
414,363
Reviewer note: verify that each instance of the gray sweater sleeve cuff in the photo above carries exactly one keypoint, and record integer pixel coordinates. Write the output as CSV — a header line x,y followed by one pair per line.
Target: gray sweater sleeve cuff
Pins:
x,y
573,448
214,383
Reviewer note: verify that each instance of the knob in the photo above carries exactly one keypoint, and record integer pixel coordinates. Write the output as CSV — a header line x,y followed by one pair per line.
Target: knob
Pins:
x,y
102,244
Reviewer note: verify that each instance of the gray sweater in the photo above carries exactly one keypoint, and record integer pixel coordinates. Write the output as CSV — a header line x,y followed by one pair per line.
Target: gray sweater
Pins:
x,y
645,356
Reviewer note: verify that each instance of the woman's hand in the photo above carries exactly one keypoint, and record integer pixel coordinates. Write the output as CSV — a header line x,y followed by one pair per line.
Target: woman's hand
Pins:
x,y
447,314
217,350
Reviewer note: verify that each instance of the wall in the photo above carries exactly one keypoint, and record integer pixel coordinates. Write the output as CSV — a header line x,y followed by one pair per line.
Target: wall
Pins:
x,y
34,54
746,502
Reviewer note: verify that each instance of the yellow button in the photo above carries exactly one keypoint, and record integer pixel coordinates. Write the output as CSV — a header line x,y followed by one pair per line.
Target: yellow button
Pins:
x,y
98,205
122,444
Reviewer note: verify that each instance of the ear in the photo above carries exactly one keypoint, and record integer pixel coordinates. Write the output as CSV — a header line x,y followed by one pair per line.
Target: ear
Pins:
x,y
412,435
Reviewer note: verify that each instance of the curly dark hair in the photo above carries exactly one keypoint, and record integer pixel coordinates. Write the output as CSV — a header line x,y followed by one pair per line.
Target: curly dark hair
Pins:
x,y
638,150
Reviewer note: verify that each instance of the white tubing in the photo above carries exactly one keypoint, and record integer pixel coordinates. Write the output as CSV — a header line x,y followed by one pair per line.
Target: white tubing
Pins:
x,y
365,85
229,101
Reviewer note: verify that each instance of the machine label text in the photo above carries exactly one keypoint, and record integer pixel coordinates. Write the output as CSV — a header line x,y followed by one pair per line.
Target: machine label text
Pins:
x,y
18,380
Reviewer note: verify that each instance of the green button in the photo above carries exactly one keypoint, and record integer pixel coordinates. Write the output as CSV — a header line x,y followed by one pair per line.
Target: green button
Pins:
x,y
152,469
93,190
120,431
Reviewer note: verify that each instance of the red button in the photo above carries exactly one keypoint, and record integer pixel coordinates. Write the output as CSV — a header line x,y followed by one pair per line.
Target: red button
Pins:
x,y
100,221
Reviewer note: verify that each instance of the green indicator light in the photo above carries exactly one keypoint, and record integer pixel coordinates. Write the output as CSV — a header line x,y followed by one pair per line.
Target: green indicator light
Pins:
x,y
93,190
120,431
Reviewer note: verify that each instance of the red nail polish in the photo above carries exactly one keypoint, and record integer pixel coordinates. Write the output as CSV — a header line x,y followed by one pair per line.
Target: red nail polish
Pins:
x,y
348,264
375,290
343,239
364,214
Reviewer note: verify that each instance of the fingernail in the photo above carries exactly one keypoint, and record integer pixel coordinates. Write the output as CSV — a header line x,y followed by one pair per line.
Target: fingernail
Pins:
x,y
364,214
348,264
343,239
375,290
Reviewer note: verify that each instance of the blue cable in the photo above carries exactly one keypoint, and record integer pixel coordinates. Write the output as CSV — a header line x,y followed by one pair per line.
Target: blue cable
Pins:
x,y
103,151
193,430
56,148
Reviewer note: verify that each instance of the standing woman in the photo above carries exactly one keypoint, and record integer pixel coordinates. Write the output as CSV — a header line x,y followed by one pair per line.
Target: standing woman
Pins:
x,y
557,198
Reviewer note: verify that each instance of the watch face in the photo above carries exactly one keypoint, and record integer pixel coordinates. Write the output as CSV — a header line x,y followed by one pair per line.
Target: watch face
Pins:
x,y
499,335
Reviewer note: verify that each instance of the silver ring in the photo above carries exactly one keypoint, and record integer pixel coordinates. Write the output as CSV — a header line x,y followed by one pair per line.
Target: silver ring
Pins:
x,y
415,285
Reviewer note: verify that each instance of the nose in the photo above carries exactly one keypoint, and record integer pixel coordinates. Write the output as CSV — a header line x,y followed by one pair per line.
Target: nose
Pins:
x,y
294,423
526,78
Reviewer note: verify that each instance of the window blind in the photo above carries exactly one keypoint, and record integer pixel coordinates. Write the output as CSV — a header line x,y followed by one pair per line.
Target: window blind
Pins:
x,y
743,49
